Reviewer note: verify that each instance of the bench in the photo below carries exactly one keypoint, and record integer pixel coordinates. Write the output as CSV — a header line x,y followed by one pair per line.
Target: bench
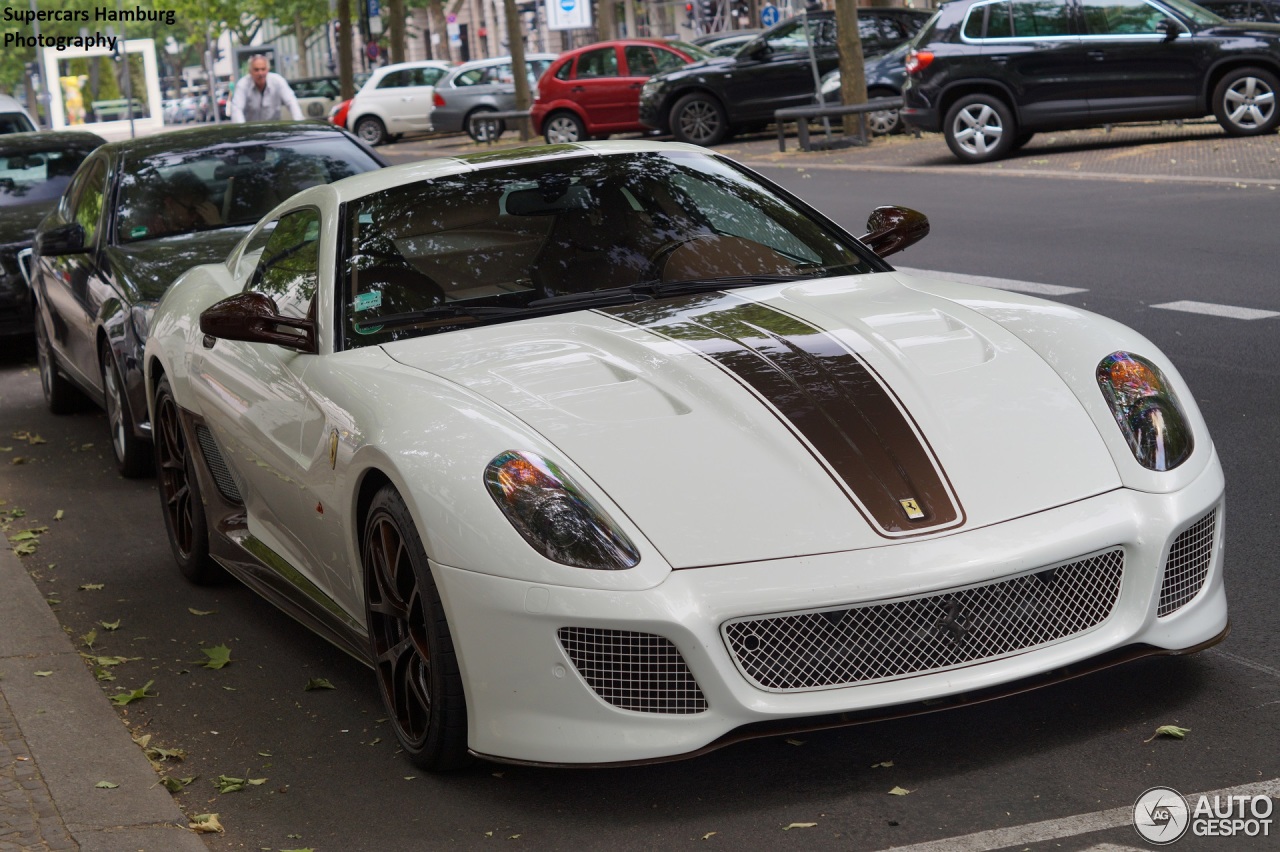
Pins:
x,y
801,115
494,119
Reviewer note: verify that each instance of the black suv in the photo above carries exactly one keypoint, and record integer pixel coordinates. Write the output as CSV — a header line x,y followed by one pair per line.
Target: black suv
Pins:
x,y
704,102
990,73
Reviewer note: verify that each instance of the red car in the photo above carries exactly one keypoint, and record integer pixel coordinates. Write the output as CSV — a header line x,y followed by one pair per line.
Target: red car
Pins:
x,y
595,90
338,115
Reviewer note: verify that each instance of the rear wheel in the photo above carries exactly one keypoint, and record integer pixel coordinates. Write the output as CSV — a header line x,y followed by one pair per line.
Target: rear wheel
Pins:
x,y
979,128
883,122
409,638
180,502
699,119
371,129
564,127
481,130
59,394
1244,102
133,456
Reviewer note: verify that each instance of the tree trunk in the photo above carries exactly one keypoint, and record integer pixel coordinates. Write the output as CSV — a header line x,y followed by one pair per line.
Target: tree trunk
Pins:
x,y
515,37
853,76
439,29
300,34
606,20
346,73
395,30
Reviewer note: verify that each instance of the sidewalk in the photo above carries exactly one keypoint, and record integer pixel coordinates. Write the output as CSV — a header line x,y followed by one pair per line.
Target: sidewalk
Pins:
x,y
1192,152
59,738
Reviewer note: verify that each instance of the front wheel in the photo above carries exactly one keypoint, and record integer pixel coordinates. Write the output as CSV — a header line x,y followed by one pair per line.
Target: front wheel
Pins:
x,y
1244,102
409,639
979,128
563,127
699,119
180,502
133,456
481,129
59,394
371,129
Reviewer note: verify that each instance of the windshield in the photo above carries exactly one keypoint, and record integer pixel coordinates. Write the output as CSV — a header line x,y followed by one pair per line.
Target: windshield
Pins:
x,y
558,234
1190,10
223,187
30,176
692,50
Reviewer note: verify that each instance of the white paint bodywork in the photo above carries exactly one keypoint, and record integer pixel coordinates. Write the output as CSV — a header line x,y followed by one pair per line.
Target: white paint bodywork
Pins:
x,y
732,516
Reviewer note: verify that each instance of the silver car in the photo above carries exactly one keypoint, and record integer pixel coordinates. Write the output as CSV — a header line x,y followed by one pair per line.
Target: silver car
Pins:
x,y
479,86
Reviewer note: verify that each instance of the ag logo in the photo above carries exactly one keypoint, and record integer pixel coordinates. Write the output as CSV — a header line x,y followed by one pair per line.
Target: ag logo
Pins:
x,y
912,508
1161,815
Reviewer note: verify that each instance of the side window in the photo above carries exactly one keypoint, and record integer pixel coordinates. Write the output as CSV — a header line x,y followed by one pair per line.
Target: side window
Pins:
x,y
565,71
87,206
665,60
425,76
598,63
1120,17
998,22
789,39
473,77
395,80
1043,18
289,268
640,61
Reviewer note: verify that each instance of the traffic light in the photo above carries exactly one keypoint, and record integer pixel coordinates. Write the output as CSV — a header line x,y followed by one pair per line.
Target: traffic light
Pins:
x,y
707,10
688,10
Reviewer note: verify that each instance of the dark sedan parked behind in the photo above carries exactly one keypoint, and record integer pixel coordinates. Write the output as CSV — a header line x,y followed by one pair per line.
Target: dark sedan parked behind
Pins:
x,y
34,170
136,215
705,102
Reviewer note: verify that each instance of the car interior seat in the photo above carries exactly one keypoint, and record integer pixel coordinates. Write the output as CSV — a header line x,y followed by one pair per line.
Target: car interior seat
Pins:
x,y
592,249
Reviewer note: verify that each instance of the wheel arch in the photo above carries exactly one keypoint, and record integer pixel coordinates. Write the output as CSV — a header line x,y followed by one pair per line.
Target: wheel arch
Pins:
x,y
569,107
1226,66
978,87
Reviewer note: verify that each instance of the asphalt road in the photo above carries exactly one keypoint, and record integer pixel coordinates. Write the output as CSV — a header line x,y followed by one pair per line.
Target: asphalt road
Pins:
x,y
334,781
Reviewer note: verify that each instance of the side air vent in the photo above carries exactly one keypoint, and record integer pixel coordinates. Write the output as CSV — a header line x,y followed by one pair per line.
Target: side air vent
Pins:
x,y
634,671
217,467
1188,564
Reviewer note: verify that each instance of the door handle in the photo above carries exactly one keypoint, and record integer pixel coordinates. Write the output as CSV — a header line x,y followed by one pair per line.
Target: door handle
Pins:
x,y
636,86
1097,55
1000,59
578,89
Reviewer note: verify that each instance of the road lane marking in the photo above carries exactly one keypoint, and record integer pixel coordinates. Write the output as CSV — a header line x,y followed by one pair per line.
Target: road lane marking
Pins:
x,y
1217,310
998,283
1074,826
1244,661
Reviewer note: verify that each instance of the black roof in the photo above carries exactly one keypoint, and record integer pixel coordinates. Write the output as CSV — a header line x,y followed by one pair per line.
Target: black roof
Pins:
x,y
225,135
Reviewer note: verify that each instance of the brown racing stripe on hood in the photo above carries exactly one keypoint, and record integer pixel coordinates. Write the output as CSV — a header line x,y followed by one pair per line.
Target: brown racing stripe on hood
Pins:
x,y
825,394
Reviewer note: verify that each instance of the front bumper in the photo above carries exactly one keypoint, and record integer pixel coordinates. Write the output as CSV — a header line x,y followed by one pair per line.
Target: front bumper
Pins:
x,y
528,702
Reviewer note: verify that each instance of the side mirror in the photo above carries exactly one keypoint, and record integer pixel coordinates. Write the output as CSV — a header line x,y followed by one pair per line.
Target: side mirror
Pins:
x,y
61,240
891,229
1170,28
253,317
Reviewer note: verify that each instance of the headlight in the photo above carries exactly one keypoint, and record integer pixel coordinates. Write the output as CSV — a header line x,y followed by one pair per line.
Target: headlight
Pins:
x,y
1146,409
554,515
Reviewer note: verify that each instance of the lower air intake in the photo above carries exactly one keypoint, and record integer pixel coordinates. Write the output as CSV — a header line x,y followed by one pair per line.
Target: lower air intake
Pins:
x,y
1187,565
942,630
634,671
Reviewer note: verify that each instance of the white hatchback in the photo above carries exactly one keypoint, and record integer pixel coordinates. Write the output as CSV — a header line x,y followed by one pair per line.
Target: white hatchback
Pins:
x,y
396,99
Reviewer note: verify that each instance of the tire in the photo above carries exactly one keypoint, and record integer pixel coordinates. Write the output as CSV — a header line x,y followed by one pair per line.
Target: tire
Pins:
x,y
179,489
479,132
562,127
979,128
133,456
883,122
1244,102
371,129
699,119
409,640
60,395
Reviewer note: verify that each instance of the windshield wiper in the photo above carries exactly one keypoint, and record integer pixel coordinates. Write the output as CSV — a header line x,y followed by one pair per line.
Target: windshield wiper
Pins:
x,y
658,289
477,314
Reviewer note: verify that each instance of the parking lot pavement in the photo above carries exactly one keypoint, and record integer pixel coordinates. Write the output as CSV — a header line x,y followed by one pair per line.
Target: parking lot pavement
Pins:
x,y
70,775
1193,151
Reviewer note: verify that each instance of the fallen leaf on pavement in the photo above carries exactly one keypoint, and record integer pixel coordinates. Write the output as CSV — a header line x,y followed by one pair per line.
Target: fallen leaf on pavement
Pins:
x,y
1169,731
207,823
800,825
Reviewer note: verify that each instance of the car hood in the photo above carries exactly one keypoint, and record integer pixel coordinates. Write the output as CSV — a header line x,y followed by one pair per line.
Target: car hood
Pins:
x,y
795,419
18,222
714,65
147,268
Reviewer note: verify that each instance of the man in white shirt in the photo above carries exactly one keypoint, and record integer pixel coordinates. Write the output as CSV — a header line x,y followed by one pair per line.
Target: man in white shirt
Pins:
x,y
260,94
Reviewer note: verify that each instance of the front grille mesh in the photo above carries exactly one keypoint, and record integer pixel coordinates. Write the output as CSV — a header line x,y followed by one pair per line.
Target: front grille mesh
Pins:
x,y
634,671
874,642
213,459
1188,565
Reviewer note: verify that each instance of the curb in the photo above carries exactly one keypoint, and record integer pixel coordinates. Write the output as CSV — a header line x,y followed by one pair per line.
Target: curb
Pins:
x,y
60,738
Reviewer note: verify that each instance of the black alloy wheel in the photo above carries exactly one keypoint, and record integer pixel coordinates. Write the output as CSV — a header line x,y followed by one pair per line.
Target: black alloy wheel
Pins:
x,y
180,502
409,639
60,395
371,130
1244,102
979,128
133,456
699,119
